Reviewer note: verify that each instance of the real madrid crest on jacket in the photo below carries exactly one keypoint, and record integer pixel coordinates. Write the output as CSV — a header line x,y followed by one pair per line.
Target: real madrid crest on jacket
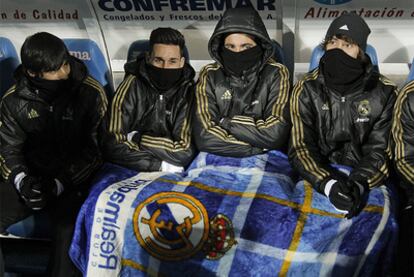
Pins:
x,y
348,128
43,130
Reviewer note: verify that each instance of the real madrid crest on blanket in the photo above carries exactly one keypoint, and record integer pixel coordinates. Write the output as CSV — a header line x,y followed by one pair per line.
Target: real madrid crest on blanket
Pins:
x,y
175,226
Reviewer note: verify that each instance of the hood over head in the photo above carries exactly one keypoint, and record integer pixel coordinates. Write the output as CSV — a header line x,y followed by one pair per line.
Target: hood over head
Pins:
x,y
240,20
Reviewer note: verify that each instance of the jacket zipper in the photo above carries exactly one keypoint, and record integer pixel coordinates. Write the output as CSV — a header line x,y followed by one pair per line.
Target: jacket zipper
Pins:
x,y
343,100
161,109
244,80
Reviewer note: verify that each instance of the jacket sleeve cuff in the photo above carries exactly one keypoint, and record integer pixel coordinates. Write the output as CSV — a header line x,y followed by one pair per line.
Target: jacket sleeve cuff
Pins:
x,y
361,180
225,123
156,165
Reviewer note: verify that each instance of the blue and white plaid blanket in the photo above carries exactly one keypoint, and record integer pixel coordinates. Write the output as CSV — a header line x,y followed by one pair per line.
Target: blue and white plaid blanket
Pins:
x,y
227,217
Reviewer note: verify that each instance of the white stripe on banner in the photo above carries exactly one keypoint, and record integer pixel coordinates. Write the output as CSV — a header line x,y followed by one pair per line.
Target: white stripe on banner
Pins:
x,y
378,231
239,219
194,173
112,211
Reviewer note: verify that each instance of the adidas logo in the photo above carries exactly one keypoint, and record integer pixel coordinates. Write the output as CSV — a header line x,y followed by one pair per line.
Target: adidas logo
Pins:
x,y
345,27
33,114
325,107
226,95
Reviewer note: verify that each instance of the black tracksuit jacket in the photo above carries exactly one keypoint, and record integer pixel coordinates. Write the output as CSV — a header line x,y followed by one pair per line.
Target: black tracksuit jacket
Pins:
x,y
162,120
351,129
57,139
403,133
253,106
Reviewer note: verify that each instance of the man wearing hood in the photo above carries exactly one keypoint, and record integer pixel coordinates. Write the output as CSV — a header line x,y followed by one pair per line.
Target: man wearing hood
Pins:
x,y
341,114
49,128
241,98
150,126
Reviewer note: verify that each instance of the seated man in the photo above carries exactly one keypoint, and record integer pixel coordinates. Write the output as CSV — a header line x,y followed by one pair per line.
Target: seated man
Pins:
x,y
49,124
341,114
241,98
150,126
402,131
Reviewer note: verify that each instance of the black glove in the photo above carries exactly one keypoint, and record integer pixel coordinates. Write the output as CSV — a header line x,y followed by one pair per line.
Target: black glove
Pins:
x,y
340,196
357,191
50,187
32,193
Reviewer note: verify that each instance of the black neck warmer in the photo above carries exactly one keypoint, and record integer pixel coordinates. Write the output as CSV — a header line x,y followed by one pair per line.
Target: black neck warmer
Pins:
x,y
237,62
164,78
341,72
49,90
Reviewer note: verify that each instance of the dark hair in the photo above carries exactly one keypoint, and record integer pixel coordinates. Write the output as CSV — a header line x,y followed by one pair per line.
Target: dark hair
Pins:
x,y
361,54
43,52
167,36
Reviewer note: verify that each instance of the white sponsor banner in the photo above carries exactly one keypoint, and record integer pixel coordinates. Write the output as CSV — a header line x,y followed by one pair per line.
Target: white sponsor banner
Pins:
x,y
145,11
124,21
121,22
391,23
65,19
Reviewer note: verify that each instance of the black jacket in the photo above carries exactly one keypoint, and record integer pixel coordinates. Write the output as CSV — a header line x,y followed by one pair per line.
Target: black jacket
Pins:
x,y
161,120
403,133
57,139
351,130
246,115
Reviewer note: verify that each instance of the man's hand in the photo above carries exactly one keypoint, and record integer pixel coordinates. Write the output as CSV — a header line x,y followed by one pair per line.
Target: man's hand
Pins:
x,y
357,191
339,195
52,187
31,191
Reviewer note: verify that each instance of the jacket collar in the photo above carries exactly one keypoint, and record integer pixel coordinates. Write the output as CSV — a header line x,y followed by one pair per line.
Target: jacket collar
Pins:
x,y
369,80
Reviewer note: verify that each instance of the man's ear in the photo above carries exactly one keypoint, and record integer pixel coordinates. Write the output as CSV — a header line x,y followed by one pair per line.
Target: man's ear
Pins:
x,y
182,61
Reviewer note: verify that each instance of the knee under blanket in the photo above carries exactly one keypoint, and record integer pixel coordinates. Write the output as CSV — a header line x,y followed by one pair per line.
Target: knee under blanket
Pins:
x,y
227,217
